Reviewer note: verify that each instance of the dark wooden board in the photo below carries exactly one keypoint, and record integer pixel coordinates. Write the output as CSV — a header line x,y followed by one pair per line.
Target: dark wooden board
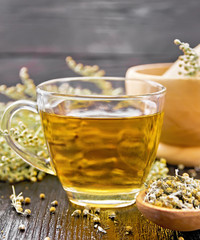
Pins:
x,y
45,68
62,225
97,27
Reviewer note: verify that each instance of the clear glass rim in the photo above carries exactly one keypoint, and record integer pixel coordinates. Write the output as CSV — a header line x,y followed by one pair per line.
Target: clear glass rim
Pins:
x,y
161,88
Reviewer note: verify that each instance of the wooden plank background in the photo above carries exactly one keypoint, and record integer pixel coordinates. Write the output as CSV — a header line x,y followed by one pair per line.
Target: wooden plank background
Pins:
x,y
97,27
61,226
114,34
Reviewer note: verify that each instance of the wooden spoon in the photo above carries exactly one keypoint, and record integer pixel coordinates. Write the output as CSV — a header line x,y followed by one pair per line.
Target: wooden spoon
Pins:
x,y
175,219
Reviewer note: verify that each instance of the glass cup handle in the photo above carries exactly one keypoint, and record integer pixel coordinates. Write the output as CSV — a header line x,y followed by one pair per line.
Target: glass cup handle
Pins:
x,y
38,162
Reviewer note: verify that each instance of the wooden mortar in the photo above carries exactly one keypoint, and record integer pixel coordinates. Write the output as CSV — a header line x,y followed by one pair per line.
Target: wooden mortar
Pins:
x,y
180,138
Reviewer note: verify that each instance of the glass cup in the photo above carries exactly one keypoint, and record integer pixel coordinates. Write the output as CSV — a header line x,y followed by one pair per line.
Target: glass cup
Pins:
x,y
101,140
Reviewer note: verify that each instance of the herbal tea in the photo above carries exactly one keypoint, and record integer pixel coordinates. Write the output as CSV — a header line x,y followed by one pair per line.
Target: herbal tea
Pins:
x,y
101,139
100,153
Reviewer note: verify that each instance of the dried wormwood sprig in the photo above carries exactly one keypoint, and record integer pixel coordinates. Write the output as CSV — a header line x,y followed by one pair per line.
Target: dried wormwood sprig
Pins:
x,y
87,70
28,133
16,202
190,60
93,71
26,90
12,167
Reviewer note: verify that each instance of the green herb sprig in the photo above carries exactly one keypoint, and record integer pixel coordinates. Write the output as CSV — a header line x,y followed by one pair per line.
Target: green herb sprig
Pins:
x,y
28,133
16,202
189,61
84,70
24,90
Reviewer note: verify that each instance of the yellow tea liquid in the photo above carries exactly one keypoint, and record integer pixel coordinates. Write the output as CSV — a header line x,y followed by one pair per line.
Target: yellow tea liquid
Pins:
x,y
102,155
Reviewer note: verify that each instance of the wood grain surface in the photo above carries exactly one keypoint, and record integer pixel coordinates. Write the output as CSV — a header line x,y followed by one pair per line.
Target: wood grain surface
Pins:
x,y
62,225
114,34
97,27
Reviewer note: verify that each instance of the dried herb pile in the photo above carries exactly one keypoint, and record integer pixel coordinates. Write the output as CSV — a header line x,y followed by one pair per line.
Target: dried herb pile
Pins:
x,y
178,192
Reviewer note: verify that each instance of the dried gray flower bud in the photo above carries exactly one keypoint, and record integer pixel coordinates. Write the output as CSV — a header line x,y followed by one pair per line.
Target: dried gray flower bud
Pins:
x,y
76,213
21,227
